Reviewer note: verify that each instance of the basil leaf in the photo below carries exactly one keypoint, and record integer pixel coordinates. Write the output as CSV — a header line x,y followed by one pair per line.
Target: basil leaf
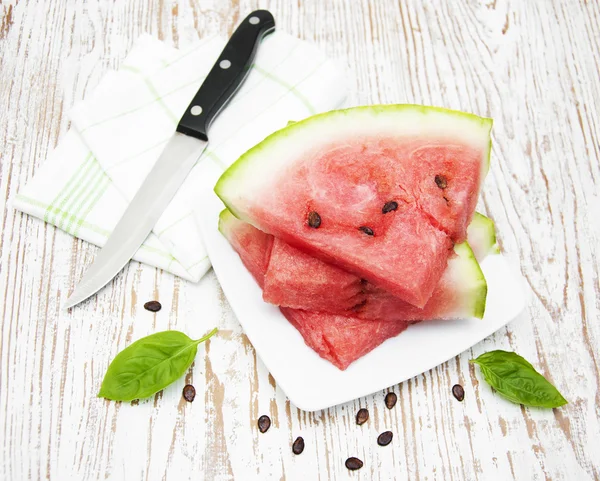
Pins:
x,y
149,365
517,380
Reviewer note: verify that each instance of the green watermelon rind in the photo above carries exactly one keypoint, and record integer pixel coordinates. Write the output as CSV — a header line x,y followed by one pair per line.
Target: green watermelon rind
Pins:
x,y
475,301
248,167
482,234
225,218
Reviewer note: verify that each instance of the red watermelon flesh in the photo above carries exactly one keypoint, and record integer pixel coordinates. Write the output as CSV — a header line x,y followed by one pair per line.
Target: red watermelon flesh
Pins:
x,y
339,339
407,254
298,280
295,279
252,245
445,186
346,166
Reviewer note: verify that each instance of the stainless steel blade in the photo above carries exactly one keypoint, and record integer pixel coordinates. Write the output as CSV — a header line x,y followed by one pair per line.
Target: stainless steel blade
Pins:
x,y
155,193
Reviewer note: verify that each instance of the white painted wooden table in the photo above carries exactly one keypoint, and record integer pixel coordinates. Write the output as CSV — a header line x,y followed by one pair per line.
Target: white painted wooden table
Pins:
x,y
531,65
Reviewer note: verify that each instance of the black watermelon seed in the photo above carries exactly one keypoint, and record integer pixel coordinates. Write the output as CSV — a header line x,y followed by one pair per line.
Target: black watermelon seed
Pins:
x,y
264,423
385,438
390,400
362,416
366,230
354,463
189,393
298,445
153,306
441,181
389,206
458,392
314,220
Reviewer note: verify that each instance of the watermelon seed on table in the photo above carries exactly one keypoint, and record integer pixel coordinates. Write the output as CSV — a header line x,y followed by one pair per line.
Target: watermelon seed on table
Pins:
x,y
353,463
362,416
385,438
441,181
189,392
366,230
458,392
314,220
153,306
264,423
390,400
389,206
298,445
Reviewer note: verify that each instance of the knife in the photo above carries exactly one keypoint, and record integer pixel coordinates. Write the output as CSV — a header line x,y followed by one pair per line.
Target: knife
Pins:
x,y
179,156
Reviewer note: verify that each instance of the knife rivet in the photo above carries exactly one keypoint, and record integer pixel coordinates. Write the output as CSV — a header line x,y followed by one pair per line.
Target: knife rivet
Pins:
x,y
254,20
196,110
224,64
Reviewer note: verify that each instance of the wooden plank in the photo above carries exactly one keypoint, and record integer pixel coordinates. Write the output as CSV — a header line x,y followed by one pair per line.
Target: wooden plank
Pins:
x,y
532,66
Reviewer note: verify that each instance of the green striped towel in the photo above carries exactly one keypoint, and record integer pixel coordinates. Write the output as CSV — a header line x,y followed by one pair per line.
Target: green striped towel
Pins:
x,y
118,132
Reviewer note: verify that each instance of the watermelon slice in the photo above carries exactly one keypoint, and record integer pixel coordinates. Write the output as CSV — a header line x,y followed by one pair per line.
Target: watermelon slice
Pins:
x,y
340,340
461,292
295,279
382,192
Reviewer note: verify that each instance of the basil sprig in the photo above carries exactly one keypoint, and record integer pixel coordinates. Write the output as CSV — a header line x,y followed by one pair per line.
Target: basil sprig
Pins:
x,y
517,380
149,365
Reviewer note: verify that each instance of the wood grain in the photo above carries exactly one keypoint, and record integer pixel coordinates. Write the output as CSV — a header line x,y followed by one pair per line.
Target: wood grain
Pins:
x,y
532,66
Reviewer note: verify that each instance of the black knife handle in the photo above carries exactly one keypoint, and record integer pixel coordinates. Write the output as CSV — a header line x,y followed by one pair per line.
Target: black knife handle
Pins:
x,y
226,75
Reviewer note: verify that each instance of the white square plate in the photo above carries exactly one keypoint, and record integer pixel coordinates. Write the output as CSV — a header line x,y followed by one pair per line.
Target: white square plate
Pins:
x,y
312,383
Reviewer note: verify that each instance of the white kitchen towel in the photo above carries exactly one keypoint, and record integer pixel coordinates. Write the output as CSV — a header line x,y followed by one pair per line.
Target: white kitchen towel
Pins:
x,y
118,132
